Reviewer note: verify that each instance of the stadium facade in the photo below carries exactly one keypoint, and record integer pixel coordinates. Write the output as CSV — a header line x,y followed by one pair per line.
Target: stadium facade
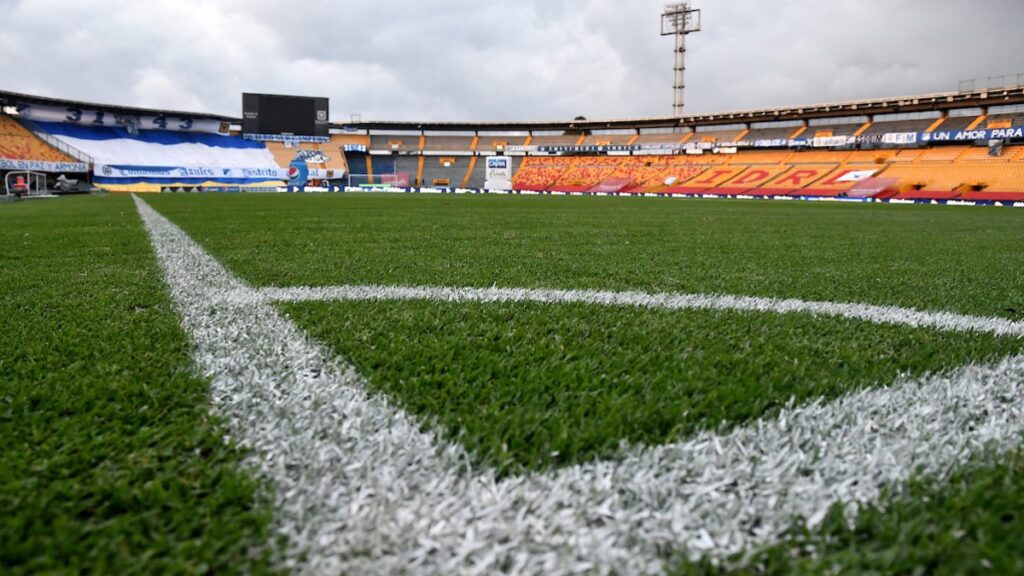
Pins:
x,y
958,147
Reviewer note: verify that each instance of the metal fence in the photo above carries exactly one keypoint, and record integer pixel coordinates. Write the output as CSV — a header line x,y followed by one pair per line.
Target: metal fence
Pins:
x,y
70,151
1004,82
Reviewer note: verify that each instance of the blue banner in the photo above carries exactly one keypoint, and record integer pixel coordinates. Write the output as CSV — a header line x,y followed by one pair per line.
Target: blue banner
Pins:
x,y
1016,133
184,173
287,138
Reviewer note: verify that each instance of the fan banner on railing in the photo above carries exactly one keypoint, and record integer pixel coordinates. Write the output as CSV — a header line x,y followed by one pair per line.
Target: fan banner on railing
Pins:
x,y
202,173
101,118
857,176
833,141
184,172
37,166
972,135
160,155
288,138
904,138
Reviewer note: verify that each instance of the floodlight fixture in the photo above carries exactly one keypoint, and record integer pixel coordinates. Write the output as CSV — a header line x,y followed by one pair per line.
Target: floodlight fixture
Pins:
x,y
680,19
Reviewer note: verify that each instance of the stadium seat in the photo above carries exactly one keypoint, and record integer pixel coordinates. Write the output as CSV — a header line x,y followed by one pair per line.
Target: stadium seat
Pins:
x,y
938,172
18,143
841,181
796,179
707,180
750,181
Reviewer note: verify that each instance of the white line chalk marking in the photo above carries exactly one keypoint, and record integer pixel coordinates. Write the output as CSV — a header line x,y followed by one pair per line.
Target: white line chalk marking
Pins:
x,y
361,488
942,321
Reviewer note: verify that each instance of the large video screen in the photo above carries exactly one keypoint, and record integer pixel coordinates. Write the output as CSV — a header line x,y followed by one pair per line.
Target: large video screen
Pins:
x,y
275,114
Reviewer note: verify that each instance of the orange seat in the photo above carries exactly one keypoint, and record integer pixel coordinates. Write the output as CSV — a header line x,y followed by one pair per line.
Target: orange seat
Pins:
x,y
18,143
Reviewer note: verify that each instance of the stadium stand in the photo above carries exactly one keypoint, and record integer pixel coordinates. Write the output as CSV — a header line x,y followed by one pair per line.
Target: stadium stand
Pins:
x,y
761,157
476,174
888,127
826,128
18,143
841,181
870,156
946,181
150,160
285,153
609,139
1010,115
723,136
541,173
905,156
499,143
751,180
385,166
796,179
649,174
777,133
660,138
556,140
737,154
449,144
958,123
938,173
444,172
334,152
709,179
395,143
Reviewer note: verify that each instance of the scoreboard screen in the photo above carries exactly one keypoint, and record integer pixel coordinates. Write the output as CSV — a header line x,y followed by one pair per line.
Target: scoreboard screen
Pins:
x,y
294,115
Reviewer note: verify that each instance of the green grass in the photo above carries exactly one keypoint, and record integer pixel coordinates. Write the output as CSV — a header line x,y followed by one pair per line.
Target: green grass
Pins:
x,y
936,258
973,524
527,386
518,383
110,462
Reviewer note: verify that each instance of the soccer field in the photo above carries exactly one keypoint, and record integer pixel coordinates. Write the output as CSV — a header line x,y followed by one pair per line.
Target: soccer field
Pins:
x,y
477,384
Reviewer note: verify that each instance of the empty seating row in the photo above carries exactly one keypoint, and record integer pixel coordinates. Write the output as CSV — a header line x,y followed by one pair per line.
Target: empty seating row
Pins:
x,y
944,172
18,143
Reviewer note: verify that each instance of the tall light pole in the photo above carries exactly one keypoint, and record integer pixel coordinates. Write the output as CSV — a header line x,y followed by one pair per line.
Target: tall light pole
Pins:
x,y
679,20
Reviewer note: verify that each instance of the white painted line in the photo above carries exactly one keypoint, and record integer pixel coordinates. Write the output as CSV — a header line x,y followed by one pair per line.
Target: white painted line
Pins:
x,y
942,321
361,488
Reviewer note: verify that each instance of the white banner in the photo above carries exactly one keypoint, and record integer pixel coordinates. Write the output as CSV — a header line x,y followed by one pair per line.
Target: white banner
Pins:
x,y
290,138
212,174
499,173
109,171
85,116
37,166
771,143
857,176
900,138
833,141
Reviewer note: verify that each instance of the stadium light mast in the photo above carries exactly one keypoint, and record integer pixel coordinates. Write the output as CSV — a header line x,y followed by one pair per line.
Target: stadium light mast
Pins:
x,y
678,20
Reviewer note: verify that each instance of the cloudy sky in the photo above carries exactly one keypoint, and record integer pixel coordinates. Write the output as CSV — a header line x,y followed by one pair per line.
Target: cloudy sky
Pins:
x,y
499,59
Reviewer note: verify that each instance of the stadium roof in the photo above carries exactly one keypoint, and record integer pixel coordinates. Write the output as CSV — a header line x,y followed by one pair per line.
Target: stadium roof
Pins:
x,y
904,104
10,98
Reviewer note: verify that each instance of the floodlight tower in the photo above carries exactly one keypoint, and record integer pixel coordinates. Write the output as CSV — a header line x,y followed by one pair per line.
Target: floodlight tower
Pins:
x,y
679,20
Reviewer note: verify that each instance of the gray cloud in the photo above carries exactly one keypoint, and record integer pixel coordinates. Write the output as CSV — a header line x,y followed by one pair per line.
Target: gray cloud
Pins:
x,y
503,59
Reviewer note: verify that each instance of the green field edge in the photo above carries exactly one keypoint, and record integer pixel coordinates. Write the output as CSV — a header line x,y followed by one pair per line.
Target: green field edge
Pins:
x,y
112,461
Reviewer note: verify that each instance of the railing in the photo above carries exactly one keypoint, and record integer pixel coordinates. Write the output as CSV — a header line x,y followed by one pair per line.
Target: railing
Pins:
x,y
1004,82
70,151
